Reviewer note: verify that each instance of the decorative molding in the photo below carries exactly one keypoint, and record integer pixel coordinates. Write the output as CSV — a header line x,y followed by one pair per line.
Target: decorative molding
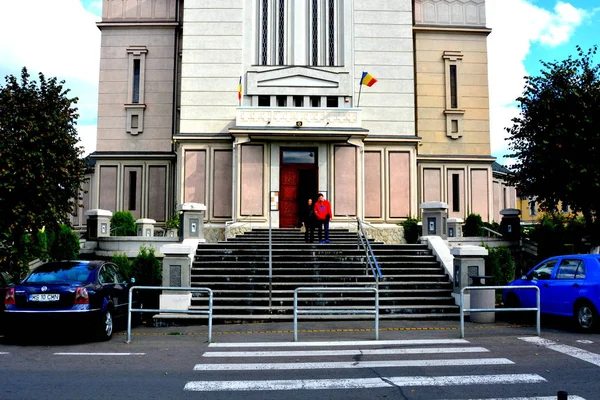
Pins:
x,y
450,12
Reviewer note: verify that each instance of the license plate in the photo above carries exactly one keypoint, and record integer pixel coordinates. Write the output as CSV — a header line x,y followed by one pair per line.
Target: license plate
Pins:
x,y
44,297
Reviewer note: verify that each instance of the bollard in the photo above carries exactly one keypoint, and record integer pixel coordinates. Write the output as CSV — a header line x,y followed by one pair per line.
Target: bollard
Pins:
x,y
562,395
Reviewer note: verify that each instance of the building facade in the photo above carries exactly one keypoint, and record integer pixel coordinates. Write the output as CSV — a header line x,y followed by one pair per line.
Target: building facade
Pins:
x,y
252,106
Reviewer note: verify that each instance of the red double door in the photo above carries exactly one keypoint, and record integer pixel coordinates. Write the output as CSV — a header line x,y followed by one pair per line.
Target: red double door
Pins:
x,y
297,183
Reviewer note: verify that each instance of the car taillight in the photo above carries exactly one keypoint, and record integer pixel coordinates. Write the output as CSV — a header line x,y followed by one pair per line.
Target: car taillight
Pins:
x,y
81,296
9,299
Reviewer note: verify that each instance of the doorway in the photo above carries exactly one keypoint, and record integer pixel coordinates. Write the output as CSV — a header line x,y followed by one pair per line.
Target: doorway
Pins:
x,y
297,183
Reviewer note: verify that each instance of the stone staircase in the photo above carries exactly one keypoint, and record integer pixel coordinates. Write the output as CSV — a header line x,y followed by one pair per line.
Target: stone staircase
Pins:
x,y
414,285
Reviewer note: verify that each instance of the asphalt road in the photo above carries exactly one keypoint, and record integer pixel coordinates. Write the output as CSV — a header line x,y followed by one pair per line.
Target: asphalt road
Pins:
x,y
332,360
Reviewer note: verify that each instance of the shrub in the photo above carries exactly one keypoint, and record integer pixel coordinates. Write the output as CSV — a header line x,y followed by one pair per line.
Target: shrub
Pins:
x,y
122,224
63,244
472,226
411,230
125,263
146,268
500,264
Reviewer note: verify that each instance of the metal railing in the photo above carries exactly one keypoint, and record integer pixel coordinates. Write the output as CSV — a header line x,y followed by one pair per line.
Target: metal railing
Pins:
x,y
297,311
371,260
186,289
490,232
229,223
462,304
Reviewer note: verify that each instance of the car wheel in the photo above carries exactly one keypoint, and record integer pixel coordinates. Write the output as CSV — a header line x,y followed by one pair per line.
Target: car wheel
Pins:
x,y
512,300
586,316
106,326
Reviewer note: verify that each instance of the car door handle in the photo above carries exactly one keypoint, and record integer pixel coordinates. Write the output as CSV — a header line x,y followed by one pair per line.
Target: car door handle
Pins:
x,y
576,285
546,285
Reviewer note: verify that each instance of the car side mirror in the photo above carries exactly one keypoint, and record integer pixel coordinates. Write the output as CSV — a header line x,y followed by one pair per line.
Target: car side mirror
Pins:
x,y
526,278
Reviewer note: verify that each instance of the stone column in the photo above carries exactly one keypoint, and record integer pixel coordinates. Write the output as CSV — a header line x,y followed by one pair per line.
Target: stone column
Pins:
x,y
192,221
510,226
455,227
435,214
98,223
176,272
145,227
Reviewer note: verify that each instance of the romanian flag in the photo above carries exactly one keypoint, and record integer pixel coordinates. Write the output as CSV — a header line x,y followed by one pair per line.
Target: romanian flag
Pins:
x,y
367,79
240,89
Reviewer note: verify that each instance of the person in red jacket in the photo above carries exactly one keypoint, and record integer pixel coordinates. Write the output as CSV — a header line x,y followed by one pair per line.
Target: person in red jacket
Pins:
x,y
322,217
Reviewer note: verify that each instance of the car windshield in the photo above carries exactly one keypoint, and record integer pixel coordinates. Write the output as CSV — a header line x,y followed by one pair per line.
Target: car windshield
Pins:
x,y
60,273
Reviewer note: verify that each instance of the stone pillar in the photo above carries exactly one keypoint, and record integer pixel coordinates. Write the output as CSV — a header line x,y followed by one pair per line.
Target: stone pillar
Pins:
x,y
145,227
192,221
468,261
455,227
176,272
435,214
510,226
98,223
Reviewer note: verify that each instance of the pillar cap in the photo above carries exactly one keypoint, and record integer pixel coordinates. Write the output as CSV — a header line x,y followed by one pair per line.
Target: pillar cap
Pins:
x,y
145,221
433,205
469,251
176,248
191,207
98,213
456,220
510,211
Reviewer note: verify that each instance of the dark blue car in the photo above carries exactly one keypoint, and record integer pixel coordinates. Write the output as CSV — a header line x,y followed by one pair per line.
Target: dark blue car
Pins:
x,y
83,294
569,286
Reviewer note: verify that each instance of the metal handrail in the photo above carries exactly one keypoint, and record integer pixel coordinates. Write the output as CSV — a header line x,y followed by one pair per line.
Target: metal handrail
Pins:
x,y
462,304
229,223
375,311
369,255
186,289
491,231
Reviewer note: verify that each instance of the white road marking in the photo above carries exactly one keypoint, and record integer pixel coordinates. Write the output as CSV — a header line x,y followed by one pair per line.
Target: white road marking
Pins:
x,y
348,343
531,398
3,353
314,384
317,353
99,354
351,364
584,355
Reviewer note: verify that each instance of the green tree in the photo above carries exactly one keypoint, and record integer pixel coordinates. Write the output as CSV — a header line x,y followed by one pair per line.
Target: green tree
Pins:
x,y
556,138
122,223
41,169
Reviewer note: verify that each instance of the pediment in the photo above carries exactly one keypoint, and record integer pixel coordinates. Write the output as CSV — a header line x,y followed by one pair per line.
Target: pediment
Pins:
x,y
294,79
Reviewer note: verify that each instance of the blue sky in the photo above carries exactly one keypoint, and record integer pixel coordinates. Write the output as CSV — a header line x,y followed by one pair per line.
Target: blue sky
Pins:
x,y
60,38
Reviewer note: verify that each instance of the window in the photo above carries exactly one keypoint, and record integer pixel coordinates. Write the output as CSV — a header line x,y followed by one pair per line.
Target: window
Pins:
x,y
132,190
332,102
571,269
298,101
281,101
299,33
455,192
544,271
136,81
453,87
264,101
454,114
315,101
135,105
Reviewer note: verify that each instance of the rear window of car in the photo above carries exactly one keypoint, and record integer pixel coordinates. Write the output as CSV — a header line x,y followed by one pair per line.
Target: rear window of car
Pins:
x,y
61,273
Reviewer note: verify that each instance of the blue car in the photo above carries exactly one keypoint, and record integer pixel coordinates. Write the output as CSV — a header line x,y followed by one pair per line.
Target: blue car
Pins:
x,y
569,286
81,294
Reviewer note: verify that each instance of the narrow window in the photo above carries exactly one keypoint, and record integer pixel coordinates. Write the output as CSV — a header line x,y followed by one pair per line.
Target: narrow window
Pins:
x,y
136,81
331,32
281,101
453,88
132,189
298,101
315,33
532,208
264,101
315,101
332,102
264,31
281,52
504,197
455,192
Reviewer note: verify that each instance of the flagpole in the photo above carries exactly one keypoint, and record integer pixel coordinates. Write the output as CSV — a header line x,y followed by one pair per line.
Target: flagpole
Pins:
x,y
359,90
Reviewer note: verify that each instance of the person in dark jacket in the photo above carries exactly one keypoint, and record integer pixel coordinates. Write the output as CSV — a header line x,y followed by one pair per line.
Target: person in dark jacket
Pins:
x,y
308,222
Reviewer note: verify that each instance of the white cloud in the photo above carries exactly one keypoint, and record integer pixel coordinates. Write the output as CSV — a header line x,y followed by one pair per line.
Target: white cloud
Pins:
x,y
59,39
516,24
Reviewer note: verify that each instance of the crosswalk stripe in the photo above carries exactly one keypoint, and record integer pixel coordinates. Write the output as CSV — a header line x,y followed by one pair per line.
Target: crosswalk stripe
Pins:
x,y
99,354
571,397
314,384
344,343
3,353
351,364
359,352
572,351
